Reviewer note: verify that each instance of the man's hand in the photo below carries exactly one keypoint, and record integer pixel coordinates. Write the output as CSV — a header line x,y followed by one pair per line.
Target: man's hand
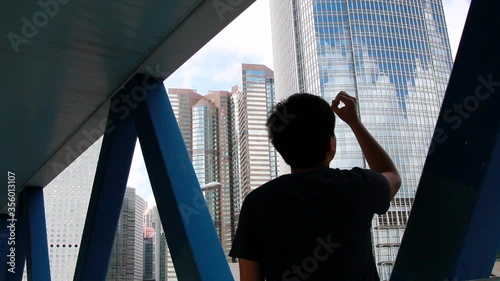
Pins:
x,y
348,113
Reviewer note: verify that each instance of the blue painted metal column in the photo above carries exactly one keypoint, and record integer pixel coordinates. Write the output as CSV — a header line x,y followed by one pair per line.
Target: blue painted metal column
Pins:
x,y
482,242
453,232
108,192
37,258
196,250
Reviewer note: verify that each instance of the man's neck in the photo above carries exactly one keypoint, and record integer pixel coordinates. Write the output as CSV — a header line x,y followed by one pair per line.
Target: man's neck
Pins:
x,y
301,170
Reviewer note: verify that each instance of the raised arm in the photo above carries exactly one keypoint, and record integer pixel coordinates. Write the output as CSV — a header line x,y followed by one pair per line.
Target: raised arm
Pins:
x,y
375,155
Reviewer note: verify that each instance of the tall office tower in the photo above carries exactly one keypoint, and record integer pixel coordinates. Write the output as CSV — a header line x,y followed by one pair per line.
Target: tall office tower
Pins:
x,y
182,100
221,200
171,274
126,262
206,153
228,143
251,105
395,57
163,262
153,224
148,254
205,142
210,145
235,159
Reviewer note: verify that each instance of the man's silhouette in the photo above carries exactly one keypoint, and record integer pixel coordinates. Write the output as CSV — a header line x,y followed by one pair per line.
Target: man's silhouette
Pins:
x,y
314,224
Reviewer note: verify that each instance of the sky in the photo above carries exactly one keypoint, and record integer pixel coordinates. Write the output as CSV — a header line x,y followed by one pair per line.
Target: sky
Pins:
x,y
248,40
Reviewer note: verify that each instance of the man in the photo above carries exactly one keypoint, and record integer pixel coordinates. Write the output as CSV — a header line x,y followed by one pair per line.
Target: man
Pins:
x,y
314,224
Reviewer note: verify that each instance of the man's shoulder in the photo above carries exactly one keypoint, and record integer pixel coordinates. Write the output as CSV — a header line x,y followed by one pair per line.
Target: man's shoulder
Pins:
x,y
359,175
267,188
355,175
270,189
324,176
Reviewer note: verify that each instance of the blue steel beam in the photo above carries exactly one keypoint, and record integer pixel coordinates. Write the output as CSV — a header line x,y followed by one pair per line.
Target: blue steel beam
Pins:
x,y
482,242
108,191
196,250
37,257
453,231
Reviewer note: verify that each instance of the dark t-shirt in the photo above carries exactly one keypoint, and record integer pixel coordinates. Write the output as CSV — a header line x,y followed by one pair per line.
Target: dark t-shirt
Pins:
x,y
314,225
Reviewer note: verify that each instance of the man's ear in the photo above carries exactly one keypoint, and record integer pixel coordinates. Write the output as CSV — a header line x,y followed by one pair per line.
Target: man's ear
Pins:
x,y
333,145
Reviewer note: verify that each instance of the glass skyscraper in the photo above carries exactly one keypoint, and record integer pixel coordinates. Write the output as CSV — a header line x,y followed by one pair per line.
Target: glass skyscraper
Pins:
x,y
395,58
159,261
149,254
127,257
205,123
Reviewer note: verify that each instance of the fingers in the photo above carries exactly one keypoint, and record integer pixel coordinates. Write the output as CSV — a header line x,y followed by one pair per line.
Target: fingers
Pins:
x,y
343,96
348,113
335,104
343,93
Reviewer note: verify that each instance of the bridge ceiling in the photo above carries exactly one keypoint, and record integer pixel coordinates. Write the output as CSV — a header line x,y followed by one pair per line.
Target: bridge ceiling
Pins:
x,y
62,61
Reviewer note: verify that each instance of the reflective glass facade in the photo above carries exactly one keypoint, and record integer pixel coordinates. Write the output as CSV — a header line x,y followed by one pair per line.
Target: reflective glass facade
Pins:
x,y
159,260
148,258
206,126
394,56
127,257
205,150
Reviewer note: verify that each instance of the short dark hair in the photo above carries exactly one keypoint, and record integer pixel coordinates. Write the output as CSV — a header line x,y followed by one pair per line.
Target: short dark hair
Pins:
x,y
300,127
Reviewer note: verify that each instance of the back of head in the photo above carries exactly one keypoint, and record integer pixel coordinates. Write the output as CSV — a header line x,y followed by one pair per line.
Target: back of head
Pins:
x,y
300,127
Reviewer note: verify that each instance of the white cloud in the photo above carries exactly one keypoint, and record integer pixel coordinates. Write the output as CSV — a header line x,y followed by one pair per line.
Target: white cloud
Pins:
x,y
217,65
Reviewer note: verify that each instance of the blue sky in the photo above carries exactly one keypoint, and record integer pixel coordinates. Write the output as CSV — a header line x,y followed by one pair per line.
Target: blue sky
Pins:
x,y
248,40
